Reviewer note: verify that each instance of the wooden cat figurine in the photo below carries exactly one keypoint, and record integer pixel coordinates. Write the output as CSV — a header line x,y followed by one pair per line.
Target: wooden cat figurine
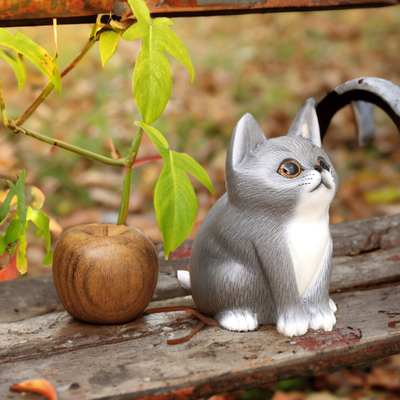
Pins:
x,y
263,253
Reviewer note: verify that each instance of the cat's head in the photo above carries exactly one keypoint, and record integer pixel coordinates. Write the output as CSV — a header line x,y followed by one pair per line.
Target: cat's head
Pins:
x,y
283,171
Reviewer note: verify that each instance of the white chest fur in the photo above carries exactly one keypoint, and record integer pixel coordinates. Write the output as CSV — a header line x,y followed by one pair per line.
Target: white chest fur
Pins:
x,y
309,240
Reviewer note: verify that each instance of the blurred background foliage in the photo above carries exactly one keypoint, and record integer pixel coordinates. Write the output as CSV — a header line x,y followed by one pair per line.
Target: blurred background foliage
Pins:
x,y
267,65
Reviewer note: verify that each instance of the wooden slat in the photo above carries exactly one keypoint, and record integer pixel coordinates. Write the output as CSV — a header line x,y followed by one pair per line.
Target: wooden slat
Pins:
x,y
367,254
365,270
32,297
356,237
38,340
41,12
134,361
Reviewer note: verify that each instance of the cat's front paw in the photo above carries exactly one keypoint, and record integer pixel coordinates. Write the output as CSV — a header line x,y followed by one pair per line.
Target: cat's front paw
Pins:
x,y
292,323
322,319
238,320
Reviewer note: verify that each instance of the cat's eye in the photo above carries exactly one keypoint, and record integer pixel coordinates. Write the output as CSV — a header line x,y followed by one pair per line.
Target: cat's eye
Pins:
x,y
323,164
290,169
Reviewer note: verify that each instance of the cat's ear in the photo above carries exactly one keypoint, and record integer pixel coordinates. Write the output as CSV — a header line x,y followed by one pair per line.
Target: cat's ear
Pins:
x,y
306,124
245,137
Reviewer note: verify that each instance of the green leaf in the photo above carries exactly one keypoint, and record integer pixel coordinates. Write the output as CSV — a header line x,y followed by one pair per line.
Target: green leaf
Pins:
x,y
152,81
194,168
108,44
19,189
140,10
174,198
42,222
163,21
22,44
3,245
13,232
22,263
18,66
156,136
48,258
136,31
175,204
169,41
5,207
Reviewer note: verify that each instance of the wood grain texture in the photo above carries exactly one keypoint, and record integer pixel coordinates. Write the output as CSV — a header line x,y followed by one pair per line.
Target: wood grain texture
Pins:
x,y
133,360
356,237
105,273
359,261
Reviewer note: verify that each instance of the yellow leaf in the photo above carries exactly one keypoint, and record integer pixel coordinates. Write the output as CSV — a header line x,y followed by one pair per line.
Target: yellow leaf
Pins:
x,y
34,197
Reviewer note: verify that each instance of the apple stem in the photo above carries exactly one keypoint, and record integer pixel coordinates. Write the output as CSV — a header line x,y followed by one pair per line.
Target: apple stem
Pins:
x,y
105,230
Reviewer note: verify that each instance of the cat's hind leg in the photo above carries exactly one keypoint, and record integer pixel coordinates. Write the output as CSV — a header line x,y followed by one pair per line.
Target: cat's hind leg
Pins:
x,y
238,320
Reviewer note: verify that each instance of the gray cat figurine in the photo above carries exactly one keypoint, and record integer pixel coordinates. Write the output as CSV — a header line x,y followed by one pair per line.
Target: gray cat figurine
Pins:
x,y
263,253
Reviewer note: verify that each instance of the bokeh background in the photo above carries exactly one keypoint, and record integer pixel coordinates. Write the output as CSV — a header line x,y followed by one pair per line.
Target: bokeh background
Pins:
x,y
267,65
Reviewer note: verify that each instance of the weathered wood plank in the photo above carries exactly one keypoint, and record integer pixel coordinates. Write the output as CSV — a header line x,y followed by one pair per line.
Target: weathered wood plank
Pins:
x,y
31,297
355,237
133,361
27,298
41,12
365,270
369,249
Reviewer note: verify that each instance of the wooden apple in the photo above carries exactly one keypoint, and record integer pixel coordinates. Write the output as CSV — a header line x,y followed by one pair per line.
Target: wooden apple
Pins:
x,y
105,273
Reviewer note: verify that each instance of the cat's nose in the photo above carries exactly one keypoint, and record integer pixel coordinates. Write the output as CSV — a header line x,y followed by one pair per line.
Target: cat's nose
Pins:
x,y
318,168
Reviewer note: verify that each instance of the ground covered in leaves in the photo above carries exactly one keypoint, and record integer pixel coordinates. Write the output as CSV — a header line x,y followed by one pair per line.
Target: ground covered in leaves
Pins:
x,y
267,65
378,381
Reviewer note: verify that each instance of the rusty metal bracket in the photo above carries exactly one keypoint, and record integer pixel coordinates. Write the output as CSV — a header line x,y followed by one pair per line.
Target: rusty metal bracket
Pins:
x,y
41,12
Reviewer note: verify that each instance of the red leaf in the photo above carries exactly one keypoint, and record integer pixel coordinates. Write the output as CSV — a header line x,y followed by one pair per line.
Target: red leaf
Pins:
x,y
9,271
40,386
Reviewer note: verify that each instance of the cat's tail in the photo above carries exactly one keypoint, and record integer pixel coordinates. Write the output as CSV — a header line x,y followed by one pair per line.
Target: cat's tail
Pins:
x,y
184,279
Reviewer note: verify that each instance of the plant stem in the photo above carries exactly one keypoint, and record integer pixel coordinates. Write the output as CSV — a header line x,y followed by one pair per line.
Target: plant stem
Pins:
x,y
49,87
12,125
3,108
59,143
123,211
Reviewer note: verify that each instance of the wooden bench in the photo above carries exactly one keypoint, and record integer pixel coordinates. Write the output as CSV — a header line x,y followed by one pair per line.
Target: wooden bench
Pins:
x,y
133,361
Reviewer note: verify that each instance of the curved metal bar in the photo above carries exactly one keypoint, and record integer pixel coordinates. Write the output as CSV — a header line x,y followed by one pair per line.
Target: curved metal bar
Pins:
x,y
380,92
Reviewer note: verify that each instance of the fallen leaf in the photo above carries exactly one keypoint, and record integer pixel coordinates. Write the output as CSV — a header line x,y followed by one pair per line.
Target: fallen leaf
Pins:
x,y
34,197
227,396
9,271
387,379
279,395
40,386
